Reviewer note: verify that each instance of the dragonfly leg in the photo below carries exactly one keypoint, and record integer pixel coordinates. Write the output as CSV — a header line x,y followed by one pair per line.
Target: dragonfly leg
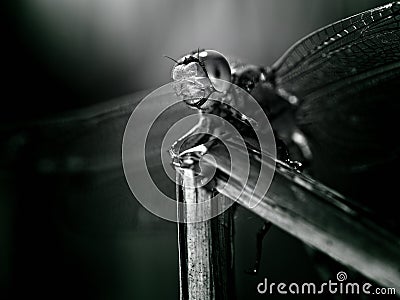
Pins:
x,y
259,240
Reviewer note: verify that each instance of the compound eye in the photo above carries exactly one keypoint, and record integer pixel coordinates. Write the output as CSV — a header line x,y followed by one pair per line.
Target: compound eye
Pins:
x,y
217,67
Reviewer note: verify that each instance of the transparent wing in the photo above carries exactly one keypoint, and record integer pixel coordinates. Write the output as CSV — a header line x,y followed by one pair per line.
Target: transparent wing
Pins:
x,y
359,51
347,76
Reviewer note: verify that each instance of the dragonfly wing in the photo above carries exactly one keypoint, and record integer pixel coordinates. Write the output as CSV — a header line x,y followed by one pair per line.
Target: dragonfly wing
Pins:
x,y
346,77
354,51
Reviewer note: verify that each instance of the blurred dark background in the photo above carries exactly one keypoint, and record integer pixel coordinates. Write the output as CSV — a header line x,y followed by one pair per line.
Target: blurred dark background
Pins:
x,y
81,235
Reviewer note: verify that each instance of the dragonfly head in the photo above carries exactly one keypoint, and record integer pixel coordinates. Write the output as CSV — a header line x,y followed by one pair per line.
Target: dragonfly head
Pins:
x,y
199,74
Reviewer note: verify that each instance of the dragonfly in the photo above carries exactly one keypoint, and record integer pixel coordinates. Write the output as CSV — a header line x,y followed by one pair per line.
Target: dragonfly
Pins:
x,y
332,99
